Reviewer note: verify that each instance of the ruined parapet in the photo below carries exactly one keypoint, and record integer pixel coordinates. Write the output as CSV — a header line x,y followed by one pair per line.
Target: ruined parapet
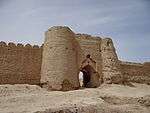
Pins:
x,y
136,72
20,64
59,66
110,63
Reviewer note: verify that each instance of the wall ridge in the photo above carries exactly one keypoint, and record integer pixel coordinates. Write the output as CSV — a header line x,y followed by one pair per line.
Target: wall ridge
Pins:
x,y
12,44
87,36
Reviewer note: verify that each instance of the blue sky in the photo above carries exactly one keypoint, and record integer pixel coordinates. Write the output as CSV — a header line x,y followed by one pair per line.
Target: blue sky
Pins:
x,y
127,22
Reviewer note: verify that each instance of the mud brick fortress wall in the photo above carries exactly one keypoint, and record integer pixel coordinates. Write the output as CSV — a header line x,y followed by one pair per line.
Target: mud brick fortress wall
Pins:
x,y
20,64
87,44
63,55
136,72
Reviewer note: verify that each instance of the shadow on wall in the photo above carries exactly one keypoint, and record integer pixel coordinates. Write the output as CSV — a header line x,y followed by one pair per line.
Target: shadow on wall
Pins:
x,y
88,76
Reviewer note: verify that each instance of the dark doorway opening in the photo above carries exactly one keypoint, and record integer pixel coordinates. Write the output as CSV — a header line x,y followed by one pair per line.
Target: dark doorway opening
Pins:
x,y
86,76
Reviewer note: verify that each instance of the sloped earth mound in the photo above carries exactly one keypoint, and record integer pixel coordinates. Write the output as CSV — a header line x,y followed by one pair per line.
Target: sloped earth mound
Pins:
x,y
105,99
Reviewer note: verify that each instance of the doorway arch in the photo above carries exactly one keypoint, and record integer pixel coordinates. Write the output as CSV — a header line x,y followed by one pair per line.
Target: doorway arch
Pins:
x,y
87,72
90,77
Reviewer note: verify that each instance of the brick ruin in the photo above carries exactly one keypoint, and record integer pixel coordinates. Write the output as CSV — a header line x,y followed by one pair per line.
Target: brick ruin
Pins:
x,y
20,64
56,64
136,72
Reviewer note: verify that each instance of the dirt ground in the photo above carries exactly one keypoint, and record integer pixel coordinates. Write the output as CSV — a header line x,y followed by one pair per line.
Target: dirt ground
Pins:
x,y
105,99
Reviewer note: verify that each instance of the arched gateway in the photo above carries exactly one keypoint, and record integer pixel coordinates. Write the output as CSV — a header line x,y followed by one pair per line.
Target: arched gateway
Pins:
x,y
90,76
63,55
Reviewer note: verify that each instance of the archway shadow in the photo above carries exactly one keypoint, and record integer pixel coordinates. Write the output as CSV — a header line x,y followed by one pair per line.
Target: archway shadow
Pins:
x,y
90,78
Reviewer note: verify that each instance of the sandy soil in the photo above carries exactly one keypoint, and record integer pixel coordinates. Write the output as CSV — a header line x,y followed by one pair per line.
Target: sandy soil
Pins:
x,y
105,99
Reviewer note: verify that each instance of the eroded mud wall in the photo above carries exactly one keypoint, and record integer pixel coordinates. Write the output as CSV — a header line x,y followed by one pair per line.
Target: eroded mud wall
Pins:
x,y
59,62
89,45
110,64
20,64
136,72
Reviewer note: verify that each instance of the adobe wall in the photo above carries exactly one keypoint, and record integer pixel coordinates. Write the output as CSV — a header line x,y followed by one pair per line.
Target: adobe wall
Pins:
x,y
110,64
20,64
59,62
62,57
90,45
136,72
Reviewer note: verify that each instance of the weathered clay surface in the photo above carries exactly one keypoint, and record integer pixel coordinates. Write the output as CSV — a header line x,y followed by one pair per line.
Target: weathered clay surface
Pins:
x,y
136,72
59,61
105,99
20,64
110,64
90,45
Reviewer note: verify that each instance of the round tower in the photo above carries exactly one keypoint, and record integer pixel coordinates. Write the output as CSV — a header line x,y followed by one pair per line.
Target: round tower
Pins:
x,y
110,63
59,66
